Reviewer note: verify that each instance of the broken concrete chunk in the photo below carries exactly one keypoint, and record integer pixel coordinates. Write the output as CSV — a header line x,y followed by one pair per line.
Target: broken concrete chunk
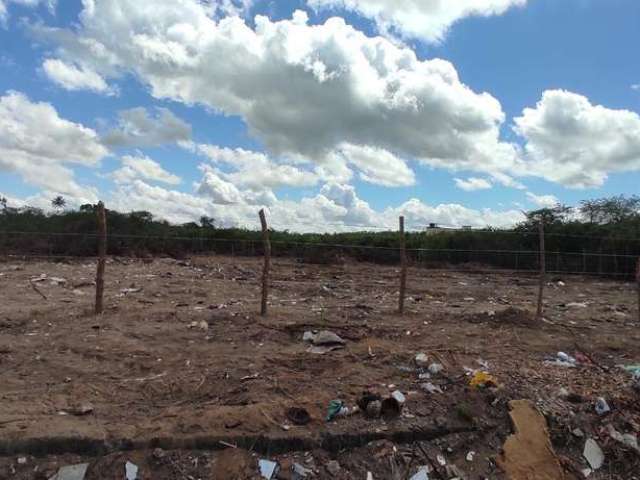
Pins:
x,y
71,472
299,472
326,337
333,467
435,368
422,360
593,454
321,350
131,471
431,388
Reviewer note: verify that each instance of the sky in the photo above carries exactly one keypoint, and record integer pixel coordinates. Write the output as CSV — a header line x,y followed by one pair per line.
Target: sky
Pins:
x,y
330,114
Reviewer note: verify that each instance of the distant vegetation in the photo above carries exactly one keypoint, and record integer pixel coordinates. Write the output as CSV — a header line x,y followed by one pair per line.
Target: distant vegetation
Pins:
x,y
599,236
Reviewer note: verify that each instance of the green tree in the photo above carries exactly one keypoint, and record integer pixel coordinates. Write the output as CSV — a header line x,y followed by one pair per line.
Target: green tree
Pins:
x,y
207,222
610,210
58,202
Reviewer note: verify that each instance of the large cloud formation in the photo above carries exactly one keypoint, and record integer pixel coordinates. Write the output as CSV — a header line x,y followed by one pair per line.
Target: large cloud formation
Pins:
x,y
336,207
573,142
40,146
428,20
305,90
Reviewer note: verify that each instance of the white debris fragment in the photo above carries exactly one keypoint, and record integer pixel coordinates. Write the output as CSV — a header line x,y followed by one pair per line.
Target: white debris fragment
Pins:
x,y
577,305
71,472
431,388
422,474
422,360
593,454
131,471
435,368
602,406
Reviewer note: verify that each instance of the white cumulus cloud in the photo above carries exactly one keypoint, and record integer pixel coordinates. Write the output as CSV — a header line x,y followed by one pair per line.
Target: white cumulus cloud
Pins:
x,y
377,165
256,170
571,141
138,127
471,184
40,146
336,207
303,90
141,166
543,201
73,77
425,19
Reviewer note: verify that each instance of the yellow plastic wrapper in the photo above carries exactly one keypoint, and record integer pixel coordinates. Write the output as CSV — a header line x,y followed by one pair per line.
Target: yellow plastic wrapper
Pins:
x,y
483,379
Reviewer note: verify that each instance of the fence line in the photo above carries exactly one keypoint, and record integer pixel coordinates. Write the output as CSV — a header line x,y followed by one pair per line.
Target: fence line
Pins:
x,y
337,245
541,254
382,230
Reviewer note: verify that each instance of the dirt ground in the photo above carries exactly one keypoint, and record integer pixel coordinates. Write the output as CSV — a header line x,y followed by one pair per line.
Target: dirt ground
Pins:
x,y
181,368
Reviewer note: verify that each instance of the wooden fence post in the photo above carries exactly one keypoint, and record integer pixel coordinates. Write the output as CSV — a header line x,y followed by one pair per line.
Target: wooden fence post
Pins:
x,y
638,285
102,252
403,267
267,263
543,268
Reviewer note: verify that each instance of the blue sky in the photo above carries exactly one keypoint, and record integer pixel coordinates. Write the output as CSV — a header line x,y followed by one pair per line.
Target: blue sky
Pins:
x,y
345,116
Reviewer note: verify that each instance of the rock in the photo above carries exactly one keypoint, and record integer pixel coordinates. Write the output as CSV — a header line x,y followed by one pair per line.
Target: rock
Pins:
x,y
71,472
627,439
131,471
602,406
435,368
593,454
158,453
577,305
422,360
431,388
333,467
326,337
576,432
299,472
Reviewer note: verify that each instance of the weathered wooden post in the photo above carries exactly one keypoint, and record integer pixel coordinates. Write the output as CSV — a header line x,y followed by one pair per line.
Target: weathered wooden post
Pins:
x,y
102,253
403,267
543,269
638,285
267,263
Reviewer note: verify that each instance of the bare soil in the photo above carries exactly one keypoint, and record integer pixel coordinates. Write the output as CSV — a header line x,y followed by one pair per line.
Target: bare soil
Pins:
x,y
182,360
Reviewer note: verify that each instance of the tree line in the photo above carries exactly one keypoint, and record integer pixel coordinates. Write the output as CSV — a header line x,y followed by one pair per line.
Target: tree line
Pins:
x,y
598,236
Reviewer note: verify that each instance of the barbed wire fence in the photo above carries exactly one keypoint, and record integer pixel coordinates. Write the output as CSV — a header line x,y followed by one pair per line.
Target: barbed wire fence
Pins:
x,y
535,260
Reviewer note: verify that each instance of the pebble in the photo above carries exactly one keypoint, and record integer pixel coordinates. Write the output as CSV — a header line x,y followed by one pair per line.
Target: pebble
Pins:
x,y
333,467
